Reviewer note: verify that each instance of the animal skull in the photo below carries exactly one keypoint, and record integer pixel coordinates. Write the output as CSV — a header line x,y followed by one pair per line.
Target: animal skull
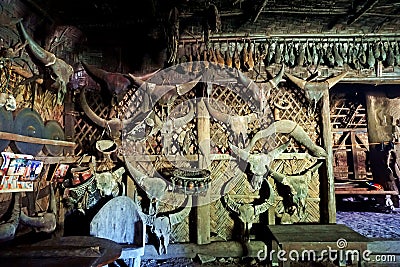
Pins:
x,y
61,71
259,163
247,213
299,186
161,226
315,90
238,124
108,182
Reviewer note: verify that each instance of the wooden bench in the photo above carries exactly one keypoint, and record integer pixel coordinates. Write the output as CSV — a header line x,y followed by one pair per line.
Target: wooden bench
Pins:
x,y
306,239
119,221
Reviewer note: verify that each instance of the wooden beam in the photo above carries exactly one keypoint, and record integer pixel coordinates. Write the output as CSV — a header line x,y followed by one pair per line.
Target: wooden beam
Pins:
x,y
364,192
203,212
260,10
232,249
328,183
364,9
34,140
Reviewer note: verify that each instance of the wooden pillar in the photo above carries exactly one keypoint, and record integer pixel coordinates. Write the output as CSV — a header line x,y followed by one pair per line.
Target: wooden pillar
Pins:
x,y
328,182
203,202
69,122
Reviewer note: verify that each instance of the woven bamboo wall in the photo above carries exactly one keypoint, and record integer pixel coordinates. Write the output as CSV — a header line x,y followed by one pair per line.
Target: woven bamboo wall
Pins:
x,y
227,176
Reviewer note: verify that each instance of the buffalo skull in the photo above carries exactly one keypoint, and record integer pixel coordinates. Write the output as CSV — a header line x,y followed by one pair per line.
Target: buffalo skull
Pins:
x,y
161,225
61,72
247,212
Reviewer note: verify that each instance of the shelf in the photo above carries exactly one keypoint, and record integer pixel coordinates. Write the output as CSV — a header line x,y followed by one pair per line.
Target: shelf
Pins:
x,y
34,140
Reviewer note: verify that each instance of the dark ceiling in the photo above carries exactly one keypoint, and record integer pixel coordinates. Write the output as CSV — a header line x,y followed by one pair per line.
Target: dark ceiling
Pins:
x,y
120,20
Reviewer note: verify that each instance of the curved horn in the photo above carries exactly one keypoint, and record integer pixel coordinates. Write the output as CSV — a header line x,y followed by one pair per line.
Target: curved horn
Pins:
x,y
242,153
279,177
298,133
129,124
115,83
135,173
147,219
268,203
179,122
89,112
233,205
157,91
278,150
182,89
297,81
97,74
40,54
334,80
225,118
271,84
47,222
8,228
148,75
178,217
261,134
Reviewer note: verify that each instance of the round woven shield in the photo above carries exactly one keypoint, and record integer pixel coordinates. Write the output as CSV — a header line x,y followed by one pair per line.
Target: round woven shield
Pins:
x,y
53,131
6,125
29,123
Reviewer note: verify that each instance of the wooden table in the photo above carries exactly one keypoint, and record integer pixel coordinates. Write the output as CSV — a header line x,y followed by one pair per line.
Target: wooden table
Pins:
x,y
321,239
66,251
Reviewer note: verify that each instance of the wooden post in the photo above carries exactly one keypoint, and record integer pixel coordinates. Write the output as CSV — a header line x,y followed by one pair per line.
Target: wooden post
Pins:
x,y
203,202
69,124
329,195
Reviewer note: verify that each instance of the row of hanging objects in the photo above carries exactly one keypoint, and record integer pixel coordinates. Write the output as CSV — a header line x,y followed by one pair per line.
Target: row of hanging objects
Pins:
x,y
245,55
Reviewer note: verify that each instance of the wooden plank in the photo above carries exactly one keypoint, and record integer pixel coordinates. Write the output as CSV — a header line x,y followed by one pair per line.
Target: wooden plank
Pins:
x,y
34,140
171,158
224,249
328,184
358,192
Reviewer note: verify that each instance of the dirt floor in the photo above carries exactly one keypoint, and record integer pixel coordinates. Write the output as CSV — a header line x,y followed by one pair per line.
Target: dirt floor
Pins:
x,y
363,216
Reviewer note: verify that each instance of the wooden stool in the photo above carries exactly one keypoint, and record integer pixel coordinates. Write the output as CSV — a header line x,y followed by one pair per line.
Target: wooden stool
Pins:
x,y
315,242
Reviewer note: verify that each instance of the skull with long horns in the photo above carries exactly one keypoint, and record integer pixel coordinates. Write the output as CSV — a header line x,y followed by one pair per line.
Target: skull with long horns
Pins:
x,y
61,72
161,225
248,213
